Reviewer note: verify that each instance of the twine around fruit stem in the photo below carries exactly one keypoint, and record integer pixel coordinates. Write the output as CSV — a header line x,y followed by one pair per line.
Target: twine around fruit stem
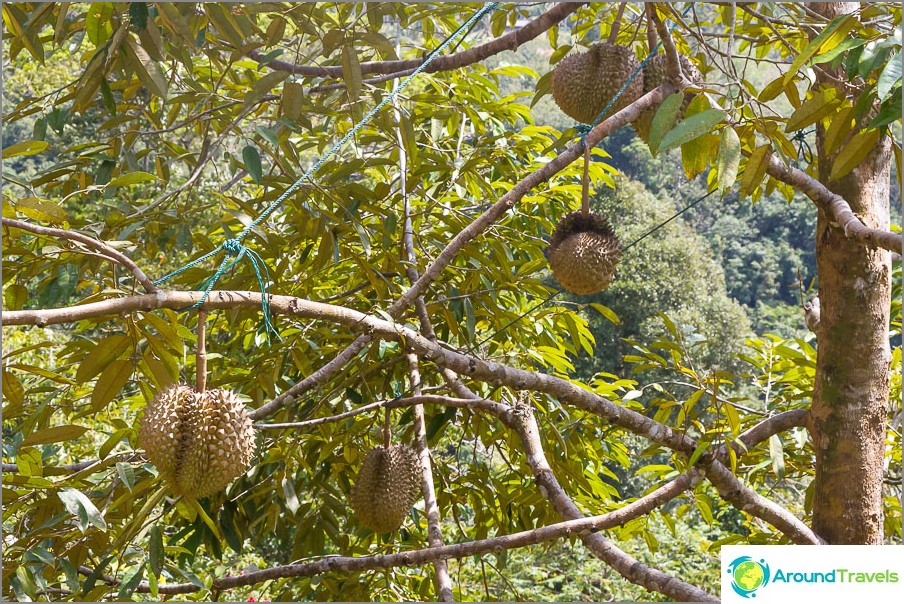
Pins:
x,y
201,352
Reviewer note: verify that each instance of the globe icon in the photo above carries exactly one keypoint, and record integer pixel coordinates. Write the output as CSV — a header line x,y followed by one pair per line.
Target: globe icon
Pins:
x,y
748,575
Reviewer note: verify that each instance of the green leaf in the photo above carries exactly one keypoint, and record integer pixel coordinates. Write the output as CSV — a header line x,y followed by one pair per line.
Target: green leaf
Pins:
x,y
97,22
606,312
138,13
692,128
728,159
830,55
110,382
853,153
156,551
132,178
777,455
80,506
351,72
264,86
252,160
755,170
105,351
834,33
823,103
544,87
126,474
288,488
42,210
148,71
889,76
54,434
664,119
131,582
703,446
25,148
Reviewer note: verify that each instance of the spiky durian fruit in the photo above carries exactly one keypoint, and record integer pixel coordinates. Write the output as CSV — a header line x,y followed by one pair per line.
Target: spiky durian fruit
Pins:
x,y
655,73
583,84
388,484
199,442
584,253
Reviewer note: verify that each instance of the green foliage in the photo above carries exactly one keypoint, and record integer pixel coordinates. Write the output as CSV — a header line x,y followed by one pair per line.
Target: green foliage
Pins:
x,y
151,127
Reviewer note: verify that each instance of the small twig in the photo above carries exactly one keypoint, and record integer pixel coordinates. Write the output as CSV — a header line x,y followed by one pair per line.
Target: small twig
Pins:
x,y
387,428
585,185
107,251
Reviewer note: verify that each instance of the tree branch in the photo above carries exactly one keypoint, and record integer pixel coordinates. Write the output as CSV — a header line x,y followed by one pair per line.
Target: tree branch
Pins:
x,y
428,555
475,54
105,250
835,206
795,418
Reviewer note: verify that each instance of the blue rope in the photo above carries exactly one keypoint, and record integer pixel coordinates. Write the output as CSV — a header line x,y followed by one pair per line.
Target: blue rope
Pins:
x,y
584,129
234,247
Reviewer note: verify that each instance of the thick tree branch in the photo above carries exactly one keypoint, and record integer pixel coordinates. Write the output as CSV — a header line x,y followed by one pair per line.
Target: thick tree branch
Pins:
x,y
431,554
105,250
749,501
835,206
475,54
522,420
781,422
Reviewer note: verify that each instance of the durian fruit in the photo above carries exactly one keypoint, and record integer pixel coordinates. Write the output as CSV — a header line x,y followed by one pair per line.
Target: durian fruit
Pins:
x,y
655,73
386,488
584,253
583,84
199,442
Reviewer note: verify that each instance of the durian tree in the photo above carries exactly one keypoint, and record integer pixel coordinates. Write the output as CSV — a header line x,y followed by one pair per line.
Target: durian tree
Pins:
x,y
391,330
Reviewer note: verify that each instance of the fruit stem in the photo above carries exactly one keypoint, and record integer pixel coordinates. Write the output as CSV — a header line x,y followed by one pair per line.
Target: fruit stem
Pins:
x,y
651,27
585,191
387,431
201,353
616,25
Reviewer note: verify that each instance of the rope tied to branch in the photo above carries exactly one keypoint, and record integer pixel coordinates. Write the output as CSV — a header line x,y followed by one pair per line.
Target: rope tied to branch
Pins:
x,y
235,250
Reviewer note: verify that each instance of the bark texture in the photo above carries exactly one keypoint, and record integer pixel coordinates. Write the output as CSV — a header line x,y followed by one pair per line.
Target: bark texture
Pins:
x,y
852,373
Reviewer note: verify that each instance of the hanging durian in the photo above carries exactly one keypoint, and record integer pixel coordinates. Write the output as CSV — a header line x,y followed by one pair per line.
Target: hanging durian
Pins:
x,y
584,253
386,488
199,442
583,84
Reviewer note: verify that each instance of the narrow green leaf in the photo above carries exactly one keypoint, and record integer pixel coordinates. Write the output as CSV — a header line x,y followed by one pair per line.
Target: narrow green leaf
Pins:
x,y
78,504
834,33
252,160
263,86
853,153
106,350
131,582
351,72
692,128
703,446
110,382
823,103
156,551
728,159
42,210
148,71
755,170
126,474
132,178
777,454
54,434
97,22
830,55
664,119
606,312
288,488
889,76
25,148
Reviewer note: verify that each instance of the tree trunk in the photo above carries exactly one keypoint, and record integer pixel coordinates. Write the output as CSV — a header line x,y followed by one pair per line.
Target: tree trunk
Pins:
x,y
853,359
